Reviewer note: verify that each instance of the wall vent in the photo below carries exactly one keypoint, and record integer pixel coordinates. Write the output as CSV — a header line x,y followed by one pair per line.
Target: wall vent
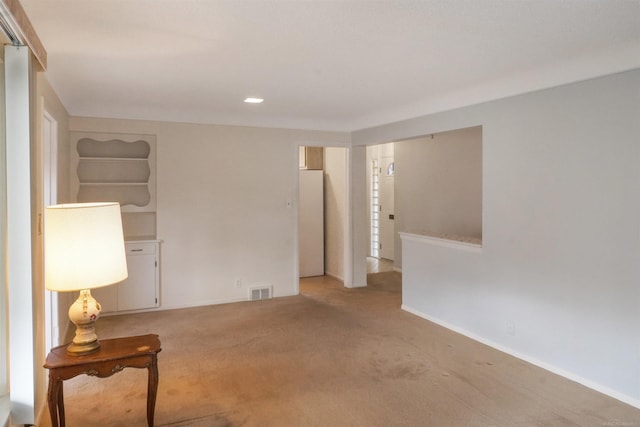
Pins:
x,y
263,292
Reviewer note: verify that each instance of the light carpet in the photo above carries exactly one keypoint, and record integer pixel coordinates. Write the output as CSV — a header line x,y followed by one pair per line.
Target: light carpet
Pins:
x,y
328,357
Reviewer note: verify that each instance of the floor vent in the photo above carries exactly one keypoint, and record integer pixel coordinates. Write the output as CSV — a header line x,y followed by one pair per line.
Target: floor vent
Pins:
x,y
256,294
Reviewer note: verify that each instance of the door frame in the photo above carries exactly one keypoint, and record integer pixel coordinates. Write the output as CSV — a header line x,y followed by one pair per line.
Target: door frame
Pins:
x,y
50,197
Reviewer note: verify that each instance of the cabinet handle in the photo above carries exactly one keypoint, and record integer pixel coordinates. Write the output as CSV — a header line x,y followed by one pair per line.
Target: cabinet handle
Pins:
x,y
136,250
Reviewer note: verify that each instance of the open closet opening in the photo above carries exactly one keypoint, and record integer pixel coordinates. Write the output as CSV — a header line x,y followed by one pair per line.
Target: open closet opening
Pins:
x,y
322,210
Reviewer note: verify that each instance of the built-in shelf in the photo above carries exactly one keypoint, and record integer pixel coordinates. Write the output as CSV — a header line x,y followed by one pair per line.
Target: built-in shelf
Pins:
x,y
111,167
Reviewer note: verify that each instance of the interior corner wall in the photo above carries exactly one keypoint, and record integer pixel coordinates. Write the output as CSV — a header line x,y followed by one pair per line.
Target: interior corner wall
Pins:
x,y
358,211
226,206
335,180
556,280
438,188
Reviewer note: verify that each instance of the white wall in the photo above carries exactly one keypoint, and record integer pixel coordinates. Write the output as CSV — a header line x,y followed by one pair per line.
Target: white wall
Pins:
x,y
358,240
335,180
561,232
227,203
439,186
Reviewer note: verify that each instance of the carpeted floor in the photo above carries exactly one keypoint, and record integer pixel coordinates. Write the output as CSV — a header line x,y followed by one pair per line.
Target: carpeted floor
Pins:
x,y
328,357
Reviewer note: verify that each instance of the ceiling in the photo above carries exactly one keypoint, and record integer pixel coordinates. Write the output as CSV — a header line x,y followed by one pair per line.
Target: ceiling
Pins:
x,y
332,65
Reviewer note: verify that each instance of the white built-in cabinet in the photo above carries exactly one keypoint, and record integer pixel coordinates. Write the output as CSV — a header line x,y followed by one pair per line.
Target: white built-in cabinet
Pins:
x,y
118,167
141,290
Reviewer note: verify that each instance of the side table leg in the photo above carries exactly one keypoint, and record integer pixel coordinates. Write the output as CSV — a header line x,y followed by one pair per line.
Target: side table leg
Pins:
x,y
53,399
61,404
152,389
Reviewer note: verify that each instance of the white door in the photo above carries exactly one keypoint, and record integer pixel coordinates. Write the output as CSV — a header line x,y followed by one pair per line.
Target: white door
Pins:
x,y
387,226
311,223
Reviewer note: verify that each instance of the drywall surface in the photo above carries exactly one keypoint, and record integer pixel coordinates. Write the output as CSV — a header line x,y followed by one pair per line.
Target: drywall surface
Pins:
x,y
226,206
439,186
556,280
359,211
335,180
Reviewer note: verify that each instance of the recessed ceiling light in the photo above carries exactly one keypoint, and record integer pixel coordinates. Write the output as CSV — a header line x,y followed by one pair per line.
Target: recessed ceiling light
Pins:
x,y
253,100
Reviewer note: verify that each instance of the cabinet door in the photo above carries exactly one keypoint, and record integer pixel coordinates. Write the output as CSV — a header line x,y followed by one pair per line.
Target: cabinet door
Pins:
x,y
139,290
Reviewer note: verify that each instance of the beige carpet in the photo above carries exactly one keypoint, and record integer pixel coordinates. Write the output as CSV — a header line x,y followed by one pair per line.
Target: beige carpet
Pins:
x,y
329,357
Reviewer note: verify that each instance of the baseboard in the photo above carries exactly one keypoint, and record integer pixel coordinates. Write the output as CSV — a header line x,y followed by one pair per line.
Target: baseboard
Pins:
x,y
546,366
335,276
190,305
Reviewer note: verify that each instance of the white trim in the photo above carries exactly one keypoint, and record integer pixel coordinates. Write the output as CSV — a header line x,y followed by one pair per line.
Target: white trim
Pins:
x,y
19,251
438,241
191,305
294,203
551,368
50,142
335,276
49,130
4,327
348,266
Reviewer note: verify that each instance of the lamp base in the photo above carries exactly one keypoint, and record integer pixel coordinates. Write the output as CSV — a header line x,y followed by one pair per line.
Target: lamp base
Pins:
x,y
82,349
83,313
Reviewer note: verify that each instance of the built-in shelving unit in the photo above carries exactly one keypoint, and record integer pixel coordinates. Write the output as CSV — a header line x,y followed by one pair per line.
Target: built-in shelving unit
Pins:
x,y
115,167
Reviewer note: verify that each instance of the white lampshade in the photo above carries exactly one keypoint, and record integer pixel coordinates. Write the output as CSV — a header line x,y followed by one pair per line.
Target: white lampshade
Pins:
x,y
84,246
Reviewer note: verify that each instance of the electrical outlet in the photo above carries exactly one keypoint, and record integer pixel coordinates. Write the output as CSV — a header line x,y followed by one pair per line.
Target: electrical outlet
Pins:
x,y
238,283
511,328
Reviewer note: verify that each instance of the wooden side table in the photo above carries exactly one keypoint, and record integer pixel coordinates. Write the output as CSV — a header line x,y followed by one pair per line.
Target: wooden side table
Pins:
x,y
112,357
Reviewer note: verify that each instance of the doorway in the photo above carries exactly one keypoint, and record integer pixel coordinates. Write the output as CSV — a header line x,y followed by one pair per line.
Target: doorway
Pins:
x,y
381,198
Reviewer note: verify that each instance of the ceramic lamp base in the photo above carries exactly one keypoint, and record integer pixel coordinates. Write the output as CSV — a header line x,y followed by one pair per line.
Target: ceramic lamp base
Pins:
x,y
83,313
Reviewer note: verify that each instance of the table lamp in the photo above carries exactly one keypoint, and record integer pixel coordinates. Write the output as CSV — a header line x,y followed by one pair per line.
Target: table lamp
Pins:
x,y
83,250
